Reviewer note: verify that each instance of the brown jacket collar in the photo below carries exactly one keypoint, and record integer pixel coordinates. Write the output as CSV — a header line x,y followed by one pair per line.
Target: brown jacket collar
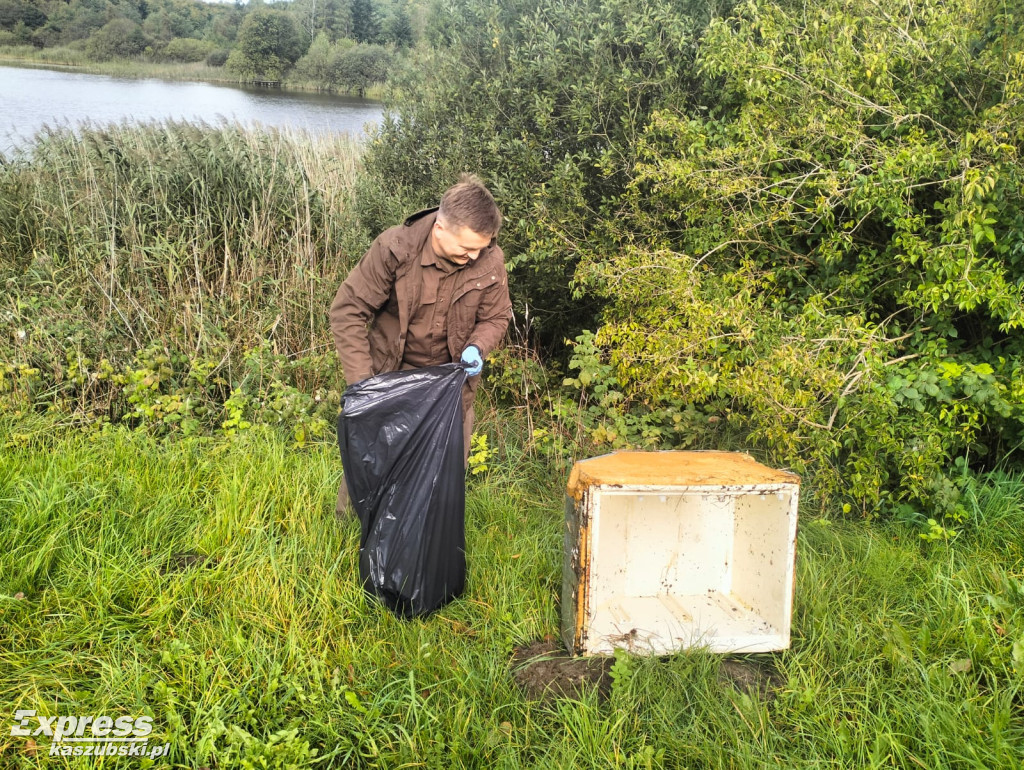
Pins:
x,y
409,239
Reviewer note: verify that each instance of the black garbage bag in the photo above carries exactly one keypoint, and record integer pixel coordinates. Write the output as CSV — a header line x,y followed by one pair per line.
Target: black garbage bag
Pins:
x,y
401,444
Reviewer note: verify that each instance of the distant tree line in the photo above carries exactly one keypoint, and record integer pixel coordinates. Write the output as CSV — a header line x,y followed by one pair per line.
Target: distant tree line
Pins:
x,y
345,45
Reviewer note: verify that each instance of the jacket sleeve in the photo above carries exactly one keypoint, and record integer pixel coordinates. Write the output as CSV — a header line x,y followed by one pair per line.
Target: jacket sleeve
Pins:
x,y
360,296
492,316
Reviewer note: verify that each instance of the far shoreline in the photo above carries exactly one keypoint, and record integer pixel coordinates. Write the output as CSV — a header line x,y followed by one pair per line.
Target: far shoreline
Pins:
x,y
174,72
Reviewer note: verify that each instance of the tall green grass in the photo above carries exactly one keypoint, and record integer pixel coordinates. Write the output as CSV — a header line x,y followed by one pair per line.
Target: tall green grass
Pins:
x,y
203,242
29,54
77,59
905,653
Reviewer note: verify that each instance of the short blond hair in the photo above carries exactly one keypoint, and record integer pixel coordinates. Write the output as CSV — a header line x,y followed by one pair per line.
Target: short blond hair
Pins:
x,y
470,204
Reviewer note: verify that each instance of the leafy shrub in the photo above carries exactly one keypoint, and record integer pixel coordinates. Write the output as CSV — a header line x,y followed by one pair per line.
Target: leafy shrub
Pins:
x,y
165,391
344,64
187,49
315,64
359,67
826,247
8,38
118,39
217,58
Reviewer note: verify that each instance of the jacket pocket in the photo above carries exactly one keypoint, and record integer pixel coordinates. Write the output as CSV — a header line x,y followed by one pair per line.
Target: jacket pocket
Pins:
x,y
477,285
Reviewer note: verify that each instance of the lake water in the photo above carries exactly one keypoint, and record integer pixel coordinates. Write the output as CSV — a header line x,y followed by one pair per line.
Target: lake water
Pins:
x,y
33,98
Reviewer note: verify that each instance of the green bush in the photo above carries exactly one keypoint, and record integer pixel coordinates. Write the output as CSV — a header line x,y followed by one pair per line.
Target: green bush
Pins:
x,y
118,39
217,58
186,49
315,64
825,247
344,65
360,67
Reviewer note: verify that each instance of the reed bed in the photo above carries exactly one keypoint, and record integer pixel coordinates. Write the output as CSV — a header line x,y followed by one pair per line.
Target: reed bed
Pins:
x,y
76,58
199,242
29,54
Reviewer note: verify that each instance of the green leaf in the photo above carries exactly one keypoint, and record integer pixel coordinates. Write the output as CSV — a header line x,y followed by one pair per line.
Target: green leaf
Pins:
x,y
961,666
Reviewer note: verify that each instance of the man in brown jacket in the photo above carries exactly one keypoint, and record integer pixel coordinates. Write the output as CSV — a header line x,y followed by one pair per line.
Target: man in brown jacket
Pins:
x,y
430,291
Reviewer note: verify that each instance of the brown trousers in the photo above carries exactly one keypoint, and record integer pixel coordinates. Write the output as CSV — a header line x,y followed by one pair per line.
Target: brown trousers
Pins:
x,y
468,418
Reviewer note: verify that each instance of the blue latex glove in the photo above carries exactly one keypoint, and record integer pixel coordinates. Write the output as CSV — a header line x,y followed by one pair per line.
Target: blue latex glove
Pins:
x,y
472,360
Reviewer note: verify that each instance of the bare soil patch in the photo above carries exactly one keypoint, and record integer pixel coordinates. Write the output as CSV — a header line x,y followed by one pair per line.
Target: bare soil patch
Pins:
x,y
757,678
544,671
186,560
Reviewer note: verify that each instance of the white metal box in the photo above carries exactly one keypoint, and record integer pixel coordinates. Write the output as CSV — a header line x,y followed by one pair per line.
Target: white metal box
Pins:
x,y
670,550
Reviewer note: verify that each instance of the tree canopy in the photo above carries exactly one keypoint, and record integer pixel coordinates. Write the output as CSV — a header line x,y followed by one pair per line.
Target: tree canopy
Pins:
x,y
269,42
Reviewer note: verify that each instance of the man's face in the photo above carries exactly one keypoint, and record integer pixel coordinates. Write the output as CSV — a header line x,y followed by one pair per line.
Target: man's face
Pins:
x,y
458,244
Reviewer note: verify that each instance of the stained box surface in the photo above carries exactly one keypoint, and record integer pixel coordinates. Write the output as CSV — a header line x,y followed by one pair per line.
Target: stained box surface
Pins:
x,y
665,551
